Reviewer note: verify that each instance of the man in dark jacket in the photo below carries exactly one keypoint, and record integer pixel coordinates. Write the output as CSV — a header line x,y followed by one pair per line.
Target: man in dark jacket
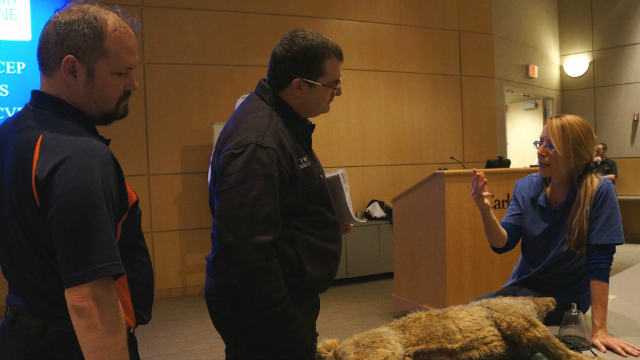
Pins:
x,y
276,239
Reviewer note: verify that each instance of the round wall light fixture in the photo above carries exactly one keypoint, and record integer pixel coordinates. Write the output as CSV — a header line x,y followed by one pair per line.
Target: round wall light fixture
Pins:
x,y
576,66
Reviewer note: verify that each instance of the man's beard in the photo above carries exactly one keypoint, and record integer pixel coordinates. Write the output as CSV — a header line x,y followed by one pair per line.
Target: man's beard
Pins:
x,y
119,112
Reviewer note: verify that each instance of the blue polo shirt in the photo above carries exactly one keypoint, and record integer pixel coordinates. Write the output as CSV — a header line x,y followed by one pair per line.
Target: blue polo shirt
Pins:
x,y
544,262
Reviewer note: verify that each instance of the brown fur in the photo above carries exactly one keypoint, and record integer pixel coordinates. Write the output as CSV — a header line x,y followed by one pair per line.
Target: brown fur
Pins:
x,y
492,329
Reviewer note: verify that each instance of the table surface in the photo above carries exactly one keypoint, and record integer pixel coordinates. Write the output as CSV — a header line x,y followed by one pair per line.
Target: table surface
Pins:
x,y
623,319
628,197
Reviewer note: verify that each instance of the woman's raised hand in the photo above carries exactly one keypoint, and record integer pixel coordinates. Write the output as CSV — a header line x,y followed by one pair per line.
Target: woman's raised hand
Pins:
x,y
479,191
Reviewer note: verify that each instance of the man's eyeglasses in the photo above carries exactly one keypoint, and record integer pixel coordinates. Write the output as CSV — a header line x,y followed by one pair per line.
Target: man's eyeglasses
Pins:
x,y
548,145
335,88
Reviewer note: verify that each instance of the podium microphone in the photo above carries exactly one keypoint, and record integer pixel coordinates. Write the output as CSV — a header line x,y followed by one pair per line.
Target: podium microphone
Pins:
x,y
459,162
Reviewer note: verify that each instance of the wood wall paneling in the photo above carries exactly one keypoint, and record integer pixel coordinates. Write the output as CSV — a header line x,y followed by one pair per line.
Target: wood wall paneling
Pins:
x,y
533,24
183,102
628,174
397,48
630,212
475,16
366,46
511,60
627,184
179,258
148,238
180,292
581,103
427,13
616,23
615,106
133,8
476,54
617,66
479,118
129,135
136,12
391,119
140,185
179,202
501,116
575,26
207,37
473,165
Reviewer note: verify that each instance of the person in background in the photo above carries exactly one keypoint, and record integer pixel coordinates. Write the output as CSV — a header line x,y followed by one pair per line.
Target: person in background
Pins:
x,y
71,246
605,166
276,239
568,221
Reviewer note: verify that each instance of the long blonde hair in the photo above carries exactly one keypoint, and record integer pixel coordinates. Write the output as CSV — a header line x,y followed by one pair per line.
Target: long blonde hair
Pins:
x,y
575,141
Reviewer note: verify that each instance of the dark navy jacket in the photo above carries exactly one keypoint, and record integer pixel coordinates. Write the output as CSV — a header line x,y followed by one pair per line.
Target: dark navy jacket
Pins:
x,y
275,229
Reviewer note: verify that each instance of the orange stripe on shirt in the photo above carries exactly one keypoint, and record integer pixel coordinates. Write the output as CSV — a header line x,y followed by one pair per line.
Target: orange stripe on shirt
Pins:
x,y
33,172
132,200
122,285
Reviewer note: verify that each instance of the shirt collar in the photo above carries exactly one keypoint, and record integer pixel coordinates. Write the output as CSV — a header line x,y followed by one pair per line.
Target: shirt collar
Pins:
x,y
538,191
67,111
298,125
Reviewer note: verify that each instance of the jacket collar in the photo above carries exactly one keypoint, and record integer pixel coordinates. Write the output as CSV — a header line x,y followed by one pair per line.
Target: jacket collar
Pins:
x,y
299,126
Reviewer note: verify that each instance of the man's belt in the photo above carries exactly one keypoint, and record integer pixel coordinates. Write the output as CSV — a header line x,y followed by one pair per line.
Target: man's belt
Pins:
x,y
23,317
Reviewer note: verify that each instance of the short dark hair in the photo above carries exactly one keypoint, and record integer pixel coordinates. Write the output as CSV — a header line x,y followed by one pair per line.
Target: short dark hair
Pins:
x,y
604,146
79,29
300,53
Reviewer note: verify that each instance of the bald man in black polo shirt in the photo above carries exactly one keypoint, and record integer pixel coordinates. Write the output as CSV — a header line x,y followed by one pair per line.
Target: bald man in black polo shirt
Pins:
x,y
71,245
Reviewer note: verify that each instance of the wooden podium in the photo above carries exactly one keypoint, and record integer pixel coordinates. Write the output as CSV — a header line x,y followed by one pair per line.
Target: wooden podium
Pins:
x,y
441,254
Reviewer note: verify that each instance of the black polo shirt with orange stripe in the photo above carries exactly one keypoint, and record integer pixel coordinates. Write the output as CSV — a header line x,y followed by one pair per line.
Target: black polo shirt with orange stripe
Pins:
x,y
67,215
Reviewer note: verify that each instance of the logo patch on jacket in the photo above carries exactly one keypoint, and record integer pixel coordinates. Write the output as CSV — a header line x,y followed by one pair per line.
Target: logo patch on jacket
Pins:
x,y
304,163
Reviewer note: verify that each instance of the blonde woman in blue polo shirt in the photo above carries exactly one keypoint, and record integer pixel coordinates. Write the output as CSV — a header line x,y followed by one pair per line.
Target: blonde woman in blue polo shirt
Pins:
x,y
568,222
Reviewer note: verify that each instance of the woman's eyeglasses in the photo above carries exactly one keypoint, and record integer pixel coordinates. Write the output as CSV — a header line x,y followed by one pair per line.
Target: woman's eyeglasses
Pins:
x,y
548,145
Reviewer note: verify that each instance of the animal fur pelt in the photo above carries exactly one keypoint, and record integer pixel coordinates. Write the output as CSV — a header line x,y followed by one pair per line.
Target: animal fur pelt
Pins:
x,y
491,329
